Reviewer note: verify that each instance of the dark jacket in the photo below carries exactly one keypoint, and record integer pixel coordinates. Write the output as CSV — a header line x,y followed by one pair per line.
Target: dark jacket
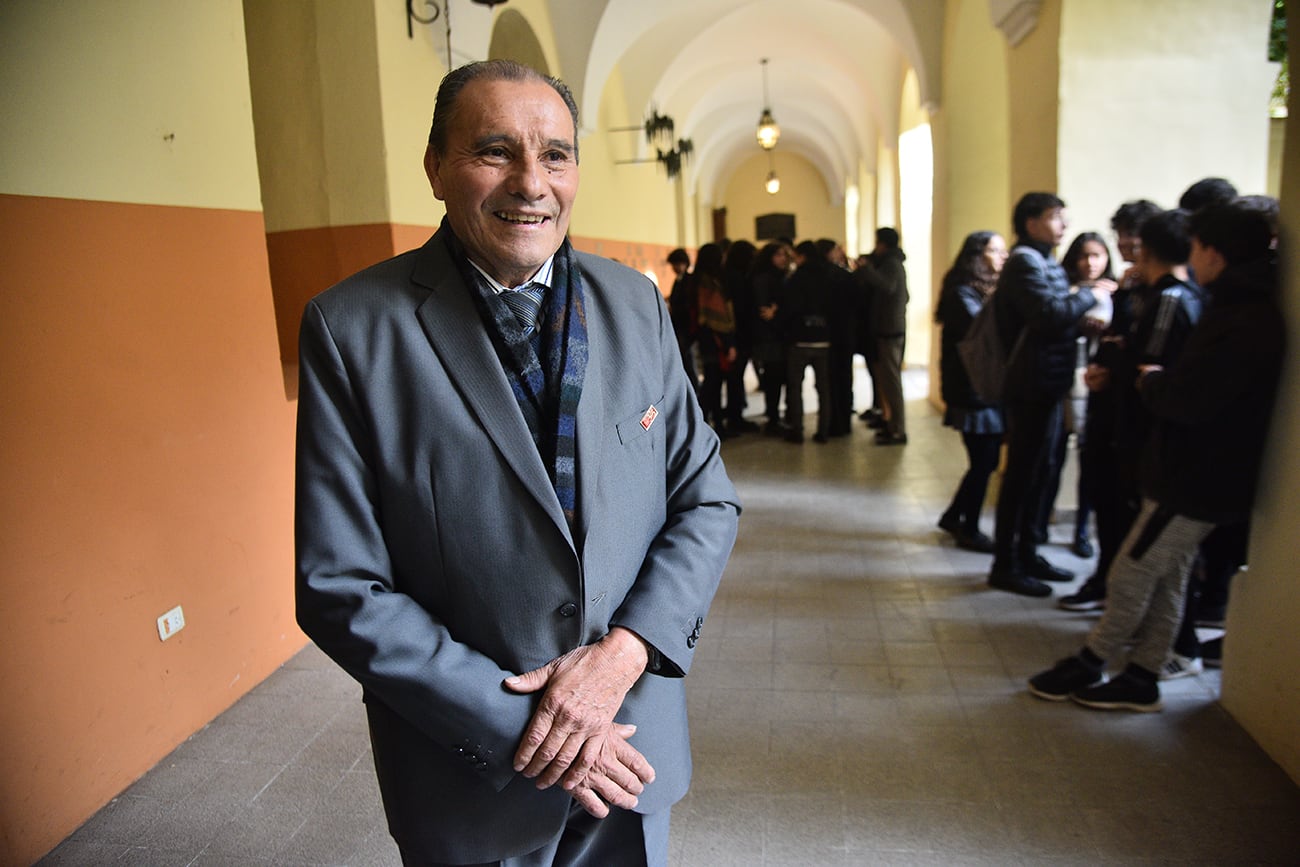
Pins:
x,y
765,289
805,307
1033,298
889,294
964,409
1212,406
958,304
1163,318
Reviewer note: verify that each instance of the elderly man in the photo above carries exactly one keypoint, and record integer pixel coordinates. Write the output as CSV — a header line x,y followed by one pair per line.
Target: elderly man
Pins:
x,y
511,516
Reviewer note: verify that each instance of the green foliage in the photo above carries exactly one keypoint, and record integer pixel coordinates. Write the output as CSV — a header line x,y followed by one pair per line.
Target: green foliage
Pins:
x,y
1277,33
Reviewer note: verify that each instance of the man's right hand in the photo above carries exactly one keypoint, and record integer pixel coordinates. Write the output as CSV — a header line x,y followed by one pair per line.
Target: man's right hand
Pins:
x,y
616,776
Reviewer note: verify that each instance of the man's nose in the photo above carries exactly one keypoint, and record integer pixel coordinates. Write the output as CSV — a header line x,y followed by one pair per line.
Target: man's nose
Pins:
x,y
527,178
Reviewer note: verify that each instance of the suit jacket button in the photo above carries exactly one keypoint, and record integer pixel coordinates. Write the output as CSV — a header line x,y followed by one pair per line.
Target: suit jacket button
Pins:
x,y
568,609
690,641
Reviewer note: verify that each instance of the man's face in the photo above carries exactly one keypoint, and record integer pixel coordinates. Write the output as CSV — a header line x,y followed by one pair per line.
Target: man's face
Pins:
x,y
1128,244
1206,263
509,175
1048,227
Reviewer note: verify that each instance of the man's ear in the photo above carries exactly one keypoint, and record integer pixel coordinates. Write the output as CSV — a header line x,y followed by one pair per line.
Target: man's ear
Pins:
x,y
431,163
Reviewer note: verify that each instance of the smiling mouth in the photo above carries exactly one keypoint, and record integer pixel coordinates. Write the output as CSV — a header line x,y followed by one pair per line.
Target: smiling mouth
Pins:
x,y
521,219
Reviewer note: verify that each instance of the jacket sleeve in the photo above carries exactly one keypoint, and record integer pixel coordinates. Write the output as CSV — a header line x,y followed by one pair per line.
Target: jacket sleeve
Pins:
x,y
346,599
1218,365
680,572
1038,301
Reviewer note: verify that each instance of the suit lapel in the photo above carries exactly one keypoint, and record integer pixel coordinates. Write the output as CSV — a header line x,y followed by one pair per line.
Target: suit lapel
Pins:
x,y
452,325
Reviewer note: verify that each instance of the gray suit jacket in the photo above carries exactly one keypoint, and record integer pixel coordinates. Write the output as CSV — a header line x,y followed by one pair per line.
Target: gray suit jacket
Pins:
x,y
433,559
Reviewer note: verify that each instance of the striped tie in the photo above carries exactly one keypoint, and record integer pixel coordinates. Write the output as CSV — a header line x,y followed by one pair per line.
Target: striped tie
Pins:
x,y
525,302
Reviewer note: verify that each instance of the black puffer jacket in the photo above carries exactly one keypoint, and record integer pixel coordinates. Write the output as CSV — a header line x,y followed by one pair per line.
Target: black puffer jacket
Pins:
x,y
1212,406
1033,298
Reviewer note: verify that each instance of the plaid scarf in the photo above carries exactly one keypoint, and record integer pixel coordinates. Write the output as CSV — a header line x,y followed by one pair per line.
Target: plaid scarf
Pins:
x,y
545,371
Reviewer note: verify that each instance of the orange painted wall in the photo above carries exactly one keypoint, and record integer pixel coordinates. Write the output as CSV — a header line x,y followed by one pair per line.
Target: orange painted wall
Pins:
x,y
146,461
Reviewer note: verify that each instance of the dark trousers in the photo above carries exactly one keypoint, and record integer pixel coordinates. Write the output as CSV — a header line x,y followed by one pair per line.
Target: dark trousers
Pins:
x,y
982,453
1109,486
1033,434
771,379
735,377
1221,555
621,839
840,370
711,392
798,358
1052,482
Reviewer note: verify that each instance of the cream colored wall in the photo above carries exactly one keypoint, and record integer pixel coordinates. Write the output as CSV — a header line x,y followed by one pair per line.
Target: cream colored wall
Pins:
x,y
409,72
621,202
1261,664
803,193
318,108
1156,95
180,139
1034,104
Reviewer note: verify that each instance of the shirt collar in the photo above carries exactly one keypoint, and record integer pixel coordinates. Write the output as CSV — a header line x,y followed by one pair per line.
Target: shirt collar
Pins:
x,y
543,276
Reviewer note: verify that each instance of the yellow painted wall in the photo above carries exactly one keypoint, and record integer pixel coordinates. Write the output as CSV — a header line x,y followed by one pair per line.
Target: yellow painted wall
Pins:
x,y
1034,106
971,132
1156,95
115,102
803,193
1261,664
622,202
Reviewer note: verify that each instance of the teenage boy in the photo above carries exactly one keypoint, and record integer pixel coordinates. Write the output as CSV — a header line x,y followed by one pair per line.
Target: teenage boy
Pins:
x,y
1210,411
1038,316
1163,307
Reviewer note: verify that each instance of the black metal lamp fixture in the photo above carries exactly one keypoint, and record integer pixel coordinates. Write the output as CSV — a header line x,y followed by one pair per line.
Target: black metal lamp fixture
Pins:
x,y
769,132
660,127
413,17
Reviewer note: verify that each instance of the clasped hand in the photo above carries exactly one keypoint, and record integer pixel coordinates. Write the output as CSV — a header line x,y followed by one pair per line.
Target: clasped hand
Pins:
x,y
572,738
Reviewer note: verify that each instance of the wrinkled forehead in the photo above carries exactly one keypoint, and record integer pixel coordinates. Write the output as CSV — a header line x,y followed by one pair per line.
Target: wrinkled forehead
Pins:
x,y
530,110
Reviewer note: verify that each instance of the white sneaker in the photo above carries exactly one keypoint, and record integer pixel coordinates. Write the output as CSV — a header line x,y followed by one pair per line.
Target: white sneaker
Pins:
x,y
1180,666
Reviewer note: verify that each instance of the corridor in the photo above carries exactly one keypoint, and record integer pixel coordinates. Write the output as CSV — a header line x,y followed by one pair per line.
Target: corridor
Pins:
x,y
858,699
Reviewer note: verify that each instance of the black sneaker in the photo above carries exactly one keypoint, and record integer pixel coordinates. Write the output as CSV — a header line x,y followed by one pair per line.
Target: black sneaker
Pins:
x,y
1044,571
951,523
1015,581
1129,691
885,438
1061,681
1090,597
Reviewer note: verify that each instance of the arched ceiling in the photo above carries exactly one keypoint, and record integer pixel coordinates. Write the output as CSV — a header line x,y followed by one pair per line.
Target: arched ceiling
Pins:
x,y
835,73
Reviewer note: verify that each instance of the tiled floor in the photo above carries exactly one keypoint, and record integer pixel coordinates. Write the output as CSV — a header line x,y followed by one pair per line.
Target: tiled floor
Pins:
x,y
858,699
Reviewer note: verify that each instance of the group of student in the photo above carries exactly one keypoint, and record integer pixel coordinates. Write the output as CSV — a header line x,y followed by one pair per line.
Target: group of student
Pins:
x,y
785,308
1174,369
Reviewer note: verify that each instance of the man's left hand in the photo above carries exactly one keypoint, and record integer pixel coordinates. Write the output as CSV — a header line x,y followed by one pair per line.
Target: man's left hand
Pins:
x,y
584,690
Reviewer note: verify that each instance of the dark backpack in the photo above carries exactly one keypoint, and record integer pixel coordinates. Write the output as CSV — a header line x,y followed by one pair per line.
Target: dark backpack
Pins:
x,y
985,358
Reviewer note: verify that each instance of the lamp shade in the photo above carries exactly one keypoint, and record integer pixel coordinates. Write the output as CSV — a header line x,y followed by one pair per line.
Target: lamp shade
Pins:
x,y
769,133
